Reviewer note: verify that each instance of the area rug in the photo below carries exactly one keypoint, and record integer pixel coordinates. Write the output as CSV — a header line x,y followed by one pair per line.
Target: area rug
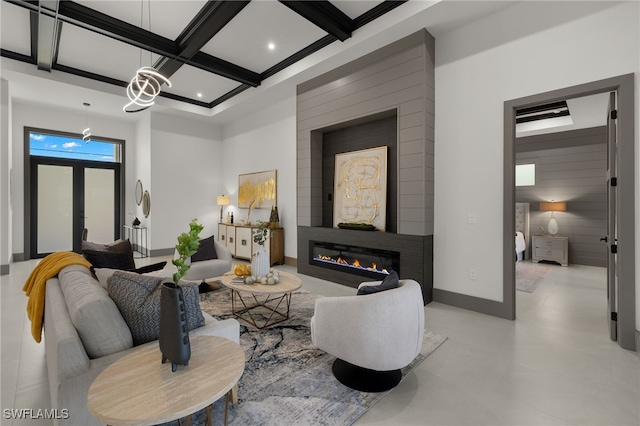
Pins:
x,y
287,380
529,275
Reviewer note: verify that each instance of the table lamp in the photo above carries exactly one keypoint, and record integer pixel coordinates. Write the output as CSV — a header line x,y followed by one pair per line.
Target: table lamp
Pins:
x,y
553,207
222,200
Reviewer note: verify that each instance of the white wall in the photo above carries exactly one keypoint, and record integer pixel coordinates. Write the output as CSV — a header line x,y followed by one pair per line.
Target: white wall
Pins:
x,y
186,177
265,141
5,178
526,49
139,155
64,120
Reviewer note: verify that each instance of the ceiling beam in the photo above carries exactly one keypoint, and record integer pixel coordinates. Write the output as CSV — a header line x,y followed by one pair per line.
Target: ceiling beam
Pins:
x,y
48,34
324,15
376,12
206,24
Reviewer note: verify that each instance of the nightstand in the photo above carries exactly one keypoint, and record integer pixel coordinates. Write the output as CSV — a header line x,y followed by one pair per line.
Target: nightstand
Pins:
x,y
555,249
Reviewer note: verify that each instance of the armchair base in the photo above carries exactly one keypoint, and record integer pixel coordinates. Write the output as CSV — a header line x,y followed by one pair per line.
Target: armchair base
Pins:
x,y
364,379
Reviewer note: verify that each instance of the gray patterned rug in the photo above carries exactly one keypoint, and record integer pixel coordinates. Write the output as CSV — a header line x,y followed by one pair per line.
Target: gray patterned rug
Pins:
x,y
529,275
287,381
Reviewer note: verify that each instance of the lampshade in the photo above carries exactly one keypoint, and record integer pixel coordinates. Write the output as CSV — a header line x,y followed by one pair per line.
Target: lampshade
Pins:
x,y
553,206
223,200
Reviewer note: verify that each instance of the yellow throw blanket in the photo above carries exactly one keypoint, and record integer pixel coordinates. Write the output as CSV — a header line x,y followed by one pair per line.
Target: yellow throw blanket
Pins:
x,y
35,285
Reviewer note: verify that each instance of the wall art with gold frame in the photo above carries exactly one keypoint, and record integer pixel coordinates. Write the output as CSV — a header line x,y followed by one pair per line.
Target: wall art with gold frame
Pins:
x,y
258,188
360,187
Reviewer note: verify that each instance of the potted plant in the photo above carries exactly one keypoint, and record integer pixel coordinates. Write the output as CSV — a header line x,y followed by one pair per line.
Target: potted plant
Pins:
x,y
260,262
174,334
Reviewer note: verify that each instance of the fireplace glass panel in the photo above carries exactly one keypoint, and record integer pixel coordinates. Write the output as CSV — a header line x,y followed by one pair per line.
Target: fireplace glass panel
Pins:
x,y
363,261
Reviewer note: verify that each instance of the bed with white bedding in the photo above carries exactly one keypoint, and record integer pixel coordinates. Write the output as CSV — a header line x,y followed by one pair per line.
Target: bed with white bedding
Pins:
x,y
522,232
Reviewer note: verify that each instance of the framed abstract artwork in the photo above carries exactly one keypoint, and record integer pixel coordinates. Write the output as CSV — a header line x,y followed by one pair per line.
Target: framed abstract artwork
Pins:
x,y
258,189
360,187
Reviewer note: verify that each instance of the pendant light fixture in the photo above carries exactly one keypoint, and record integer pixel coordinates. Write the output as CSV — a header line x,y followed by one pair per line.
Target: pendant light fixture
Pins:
x,y
86,133
147,83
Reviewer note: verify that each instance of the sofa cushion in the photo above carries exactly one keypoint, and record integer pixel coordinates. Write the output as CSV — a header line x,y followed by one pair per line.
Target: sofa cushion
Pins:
x,y
138,299
206,250
115,255
390,281
95,316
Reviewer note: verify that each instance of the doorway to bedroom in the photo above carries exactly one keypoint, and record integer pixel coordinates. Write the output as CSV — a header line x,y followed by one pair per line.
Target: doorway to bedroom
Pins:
x,y
581,219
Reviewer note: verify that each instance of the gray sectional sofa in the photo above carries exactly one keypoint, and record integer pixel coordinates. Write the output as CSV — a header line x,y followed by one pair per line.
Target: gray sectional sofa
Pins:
x,y
84,333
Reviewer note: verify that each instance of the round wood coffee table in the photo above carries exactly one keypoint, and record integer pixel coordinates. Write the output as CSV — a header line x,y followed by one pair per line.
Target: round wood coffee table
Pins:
x,y
139,390
273,301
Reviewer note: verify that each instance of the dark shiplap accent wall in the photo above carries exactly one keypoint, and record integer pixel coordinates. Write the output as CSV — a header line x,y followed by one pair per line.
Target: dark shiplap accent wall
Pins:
x,y
354,138
398,77
570,167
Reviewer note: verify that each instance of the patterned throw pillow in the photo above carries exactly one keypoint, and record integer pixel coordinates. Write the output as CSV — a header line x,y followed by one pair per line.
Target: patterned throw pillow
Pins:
x,y
138,299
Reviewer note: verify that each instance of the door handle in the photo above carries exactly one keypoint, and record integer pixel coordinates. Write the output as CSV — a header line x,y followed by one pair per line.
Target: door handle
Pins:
x,y
605,239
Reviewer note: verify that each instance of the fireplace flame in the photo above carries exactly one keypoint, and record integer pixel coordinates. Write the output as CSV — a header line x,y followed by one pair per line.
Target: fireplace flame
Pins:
x,y
355,264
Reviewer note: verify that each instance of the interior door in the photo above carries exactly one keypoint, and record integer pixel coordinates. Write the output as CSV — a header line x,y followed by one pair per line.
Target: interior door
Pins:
x,y
611,239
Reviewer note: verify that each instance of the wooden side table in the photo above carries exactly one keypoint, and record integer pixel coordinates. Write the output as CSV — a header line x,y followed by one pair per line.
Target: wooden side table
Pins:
x,y
139,390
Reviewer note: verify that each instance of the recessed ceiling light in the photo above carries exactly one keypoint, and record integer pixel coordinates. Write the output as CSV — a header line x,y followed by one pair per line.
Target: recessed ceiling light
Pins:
x,y
271,46
199,95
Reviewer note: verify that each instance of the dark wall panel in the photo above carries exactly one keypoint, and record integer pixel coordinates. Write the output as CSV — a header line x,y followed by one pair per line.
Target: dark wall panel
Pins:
x,y
354,138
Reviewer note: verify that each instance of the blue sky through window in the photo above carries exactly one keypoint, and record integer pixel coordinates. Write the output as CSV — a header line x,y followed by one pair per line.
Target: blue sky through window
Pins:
x,y
45,145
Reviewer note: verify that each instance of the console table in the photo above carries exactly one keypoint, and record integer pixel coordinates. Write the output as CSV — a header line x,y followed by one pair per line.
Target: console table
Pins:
x,y
139,390
239,241
139,239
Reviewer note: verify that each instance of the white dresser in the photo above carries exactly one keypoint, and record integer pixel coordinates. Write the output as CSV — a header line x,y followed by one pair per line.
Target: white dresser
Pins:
x,y
555,249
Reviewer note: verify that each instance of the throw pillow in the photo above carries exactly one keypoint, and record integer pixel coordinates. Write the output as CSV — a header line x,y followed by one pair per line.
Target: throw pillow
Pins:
x,y
103,274
206,250
138,299
390,281
116,255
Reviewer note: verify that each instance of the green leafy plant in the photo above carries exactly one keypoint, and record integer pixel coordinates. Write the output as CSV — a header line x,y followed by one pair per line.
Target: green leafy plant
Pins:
x,y
187,246
262,233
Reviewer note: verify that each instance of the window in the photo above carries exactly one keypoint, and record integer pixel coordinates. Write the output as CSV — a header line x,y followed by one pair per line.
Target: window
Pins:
x,y
525,174
61,146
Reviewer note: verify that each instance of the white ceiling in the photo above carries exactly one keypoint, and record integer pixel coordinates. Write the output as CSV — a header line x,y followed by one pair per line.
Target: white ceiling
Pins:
x,y
585,112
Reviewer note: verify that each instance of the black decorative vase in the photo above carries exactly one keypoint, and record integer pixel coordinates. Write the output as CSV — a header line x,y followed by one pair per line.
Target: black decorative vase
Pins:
x,y
174,334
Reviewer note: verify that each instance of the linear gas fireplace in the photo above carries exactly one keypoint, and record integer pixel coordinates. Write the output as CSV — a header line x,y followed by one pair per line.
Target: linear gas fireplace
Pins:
x,y
363,261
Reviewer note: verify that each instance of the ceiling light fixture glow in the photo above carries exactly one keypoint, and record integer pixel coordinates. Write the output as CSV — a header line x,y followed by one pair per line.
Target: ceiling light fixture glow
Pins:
x,y
271,46
86,133
199,95
147,83
143,88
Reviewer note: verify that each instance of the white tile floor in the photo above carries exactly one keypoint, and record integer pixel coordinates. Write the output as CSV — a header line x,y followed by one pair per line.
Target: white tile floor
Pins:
x,y
554,365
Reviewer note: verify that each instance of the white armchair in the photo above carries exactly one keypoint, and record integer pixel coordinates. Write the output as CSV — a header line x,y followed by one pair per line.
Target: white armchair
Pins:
x,y
372,336
204,269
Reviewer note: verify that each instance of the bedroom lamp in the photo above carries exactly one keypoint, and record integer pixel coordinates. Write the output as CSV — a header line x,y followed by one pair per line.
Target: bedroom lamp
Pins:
x,y
222,200
553,207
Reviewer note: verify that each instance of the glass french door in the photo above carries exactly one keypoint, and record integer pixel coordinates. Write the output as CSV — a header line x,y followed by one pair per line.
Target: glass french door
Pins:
x,y
69,195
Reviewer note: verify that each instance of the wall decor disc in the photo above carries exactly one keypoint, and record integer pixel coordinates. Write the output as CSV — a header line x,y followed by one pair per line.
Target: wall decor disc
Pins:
x,y
139,191
146,203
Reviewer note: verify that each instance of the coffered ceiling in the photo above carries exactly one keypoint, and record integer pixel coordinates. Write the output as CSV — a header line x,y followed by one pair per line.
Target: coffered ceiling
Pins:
x,y
218,49
210,50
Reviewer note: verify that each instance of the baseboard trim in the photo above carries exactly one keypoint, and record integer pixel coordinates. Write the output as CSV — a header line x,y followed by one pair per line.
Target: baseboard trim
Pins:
x,y
472,303
19,257
4,269
162,252
291,261
638,342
